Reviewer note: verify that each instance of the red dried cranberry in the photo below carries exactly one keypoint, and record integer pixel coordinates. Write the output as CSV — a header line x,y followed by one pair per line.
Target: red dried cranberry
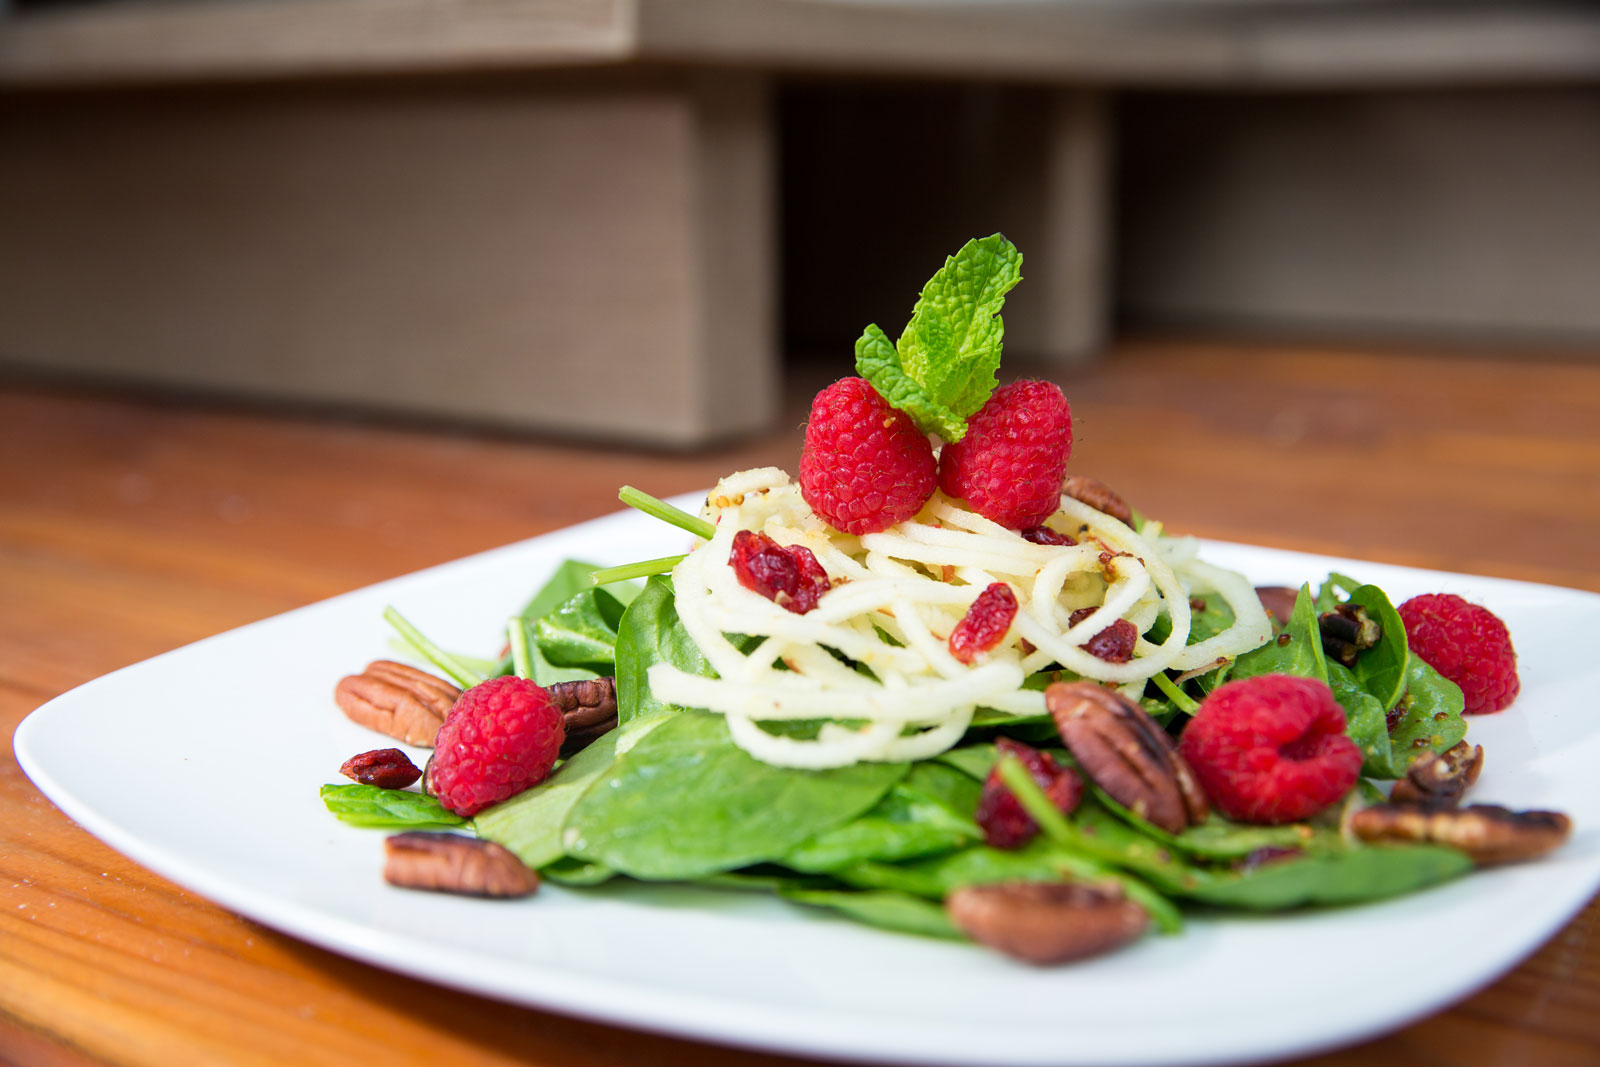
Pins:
x,y
787,575
1114,644
1004,821
386,768
985,623
1043,535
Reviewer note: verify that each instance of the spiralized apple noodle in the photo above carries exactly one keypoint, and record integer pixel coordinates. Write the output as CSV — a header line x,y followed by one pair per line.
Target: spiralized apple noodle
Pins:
x,y
896,597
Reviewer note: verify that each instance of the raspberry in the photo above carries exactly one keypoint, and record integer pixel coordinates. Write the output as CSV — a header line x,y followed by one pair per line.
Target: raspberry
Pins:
x,y
1004,821
1010,464
1466,643
787,575
501,737
1114,644
1271,749
865,466
985,623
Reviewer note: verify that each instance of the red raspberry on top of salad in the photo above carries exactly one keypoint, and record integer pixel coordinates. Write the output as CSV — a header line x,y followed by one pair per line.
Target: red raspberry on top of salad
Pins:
x,y
865,465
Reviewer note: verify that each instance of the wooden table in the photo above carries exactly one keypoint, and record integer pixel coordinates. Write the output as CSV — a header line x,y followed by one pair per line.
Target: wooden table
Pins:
x,y
129,527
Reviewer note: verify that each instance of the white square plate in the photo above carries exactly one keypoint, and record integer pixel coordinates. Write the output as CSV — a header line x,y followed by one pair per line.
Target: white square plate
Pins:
x,y
149,759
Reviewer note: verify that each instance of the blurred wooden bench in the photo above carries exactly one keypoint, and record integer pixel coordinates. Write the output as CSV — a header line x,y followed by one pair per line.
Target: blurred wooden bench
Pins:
x,y
559,214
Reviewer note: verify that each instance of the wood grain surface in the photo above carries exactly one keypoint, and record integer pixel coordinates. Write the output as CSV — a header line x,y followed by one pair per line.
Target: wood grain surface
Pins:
x,y
130,526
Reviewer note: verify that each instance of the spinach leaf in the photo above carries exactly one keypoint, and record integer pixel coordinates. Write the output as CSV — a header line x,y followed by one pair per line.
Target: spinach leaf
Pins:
x,y
576,872
1327,597
937,877
931,811
971,760
367,805
883,908
569,579
581,632
1365,722
651,632
1217,838
685,802
530,823
1381,669
1344,877
1430,715
1296,651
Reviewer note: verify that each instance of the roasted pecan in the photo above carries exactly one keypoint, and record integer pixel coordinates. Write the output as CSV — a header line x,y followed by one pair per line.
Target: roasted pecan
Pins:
x,y
1046,922
386,768
1348,631
451,863
397,700
1127,754
589,709
1438,781
1278,600
1097,495
1487,833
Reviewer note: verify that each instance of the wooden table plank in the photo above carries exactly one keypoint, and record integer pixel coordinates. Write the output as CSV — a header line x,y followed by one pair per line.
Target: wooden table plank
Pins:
x,y
128,527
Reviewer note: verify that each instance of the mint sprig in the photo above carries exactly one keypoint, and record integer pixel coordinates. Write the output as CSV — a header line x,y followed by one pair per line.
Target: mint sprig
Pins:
x,y
943,367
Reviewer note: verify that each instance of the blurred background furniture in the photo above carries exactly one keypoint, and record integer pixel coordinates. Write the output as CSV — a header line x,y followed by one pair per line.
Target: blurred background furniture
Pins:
x,y
612,218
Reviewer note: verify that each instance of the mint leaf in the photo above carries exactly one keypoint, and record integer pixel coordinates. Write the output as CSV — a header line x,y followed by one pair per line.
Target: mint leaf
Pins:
x,y
943,368
879,363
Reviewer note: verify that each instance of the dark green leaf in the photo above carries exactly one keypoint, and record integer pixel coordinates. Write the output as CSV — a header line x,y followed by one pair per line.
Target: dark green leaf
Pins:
x,y
367,805
1345,877
931,811
1381,670
581,632
1217,838
971,760
650,632
1430,715
530,823
1296,651
1365,723
685,801
576,872
569,579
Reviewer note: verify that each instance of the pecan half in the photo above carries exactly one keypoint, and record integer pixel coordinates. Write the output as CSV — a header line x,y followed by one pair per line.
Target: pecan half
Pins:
x,y
1097,495
397,700
1348,631
386,768
1487,833
589,709
1439,781
451,863
1127,754
1046,922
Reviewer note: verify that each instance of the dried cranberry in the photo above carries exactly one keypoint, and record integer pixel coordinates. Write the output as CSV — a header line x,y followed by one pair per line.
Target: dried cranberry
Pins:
x,y
787,575
985,623
386,768
1004,821
1043,535
1114,644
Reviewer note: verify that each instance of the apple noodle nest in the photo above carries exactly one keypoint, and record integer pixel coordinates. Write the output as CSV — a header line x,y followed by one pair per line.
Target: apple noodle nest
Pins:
x,y
897,595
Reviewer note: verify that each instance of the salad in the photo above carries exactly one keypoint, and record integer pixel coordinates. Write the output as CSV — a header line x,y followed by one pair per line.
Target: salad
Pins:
x,y
940,684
